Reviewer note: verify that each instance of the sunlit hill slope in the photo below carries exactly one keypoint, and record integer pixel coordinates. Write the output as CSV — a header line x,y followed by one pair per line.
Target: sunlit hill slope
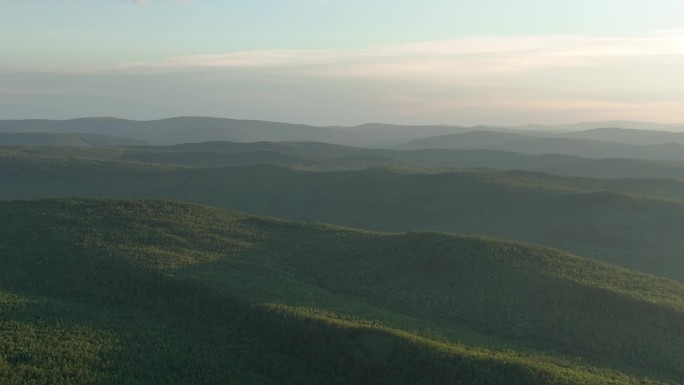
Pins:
x,y
126,292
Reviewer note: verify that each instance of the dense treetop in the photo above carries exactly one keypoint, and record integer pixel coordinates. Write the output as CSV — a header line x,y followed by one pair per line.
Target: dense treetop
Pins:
x,y
122,291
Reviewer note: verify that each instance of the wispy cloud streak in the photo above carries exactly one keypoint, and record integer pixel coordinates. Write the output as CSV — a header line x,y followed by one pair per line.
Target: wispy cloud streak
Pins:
x,y
468,55
490,80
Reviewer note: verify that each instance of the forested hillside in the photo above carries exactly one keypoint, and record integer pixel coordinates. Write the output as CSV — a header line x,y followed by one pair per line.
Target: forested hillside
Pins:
x,y
126,292
64,139
633,223
327,157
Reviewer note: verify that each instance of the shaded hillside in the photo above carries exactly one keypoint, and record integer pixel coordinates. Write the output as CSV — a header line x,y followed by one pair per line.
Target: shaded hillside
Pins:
x,y
324,156
390,135
562,145
79,140
607,168
467,141
597,149
304,155
187,157
632,231
608,220
631,136
616,168
212,154
162,292
228,159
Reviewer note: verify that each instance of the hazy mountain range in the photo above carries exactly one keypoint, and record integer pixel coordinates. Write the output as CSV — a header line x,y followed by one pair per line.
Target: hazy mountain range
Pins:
x,y
323,156
201,129
657,145
630,222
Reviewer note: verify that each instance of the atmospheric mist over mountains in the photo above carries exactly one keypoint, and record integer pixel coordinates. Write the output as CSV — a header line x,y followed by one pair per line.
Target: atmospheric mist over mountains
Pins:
x,y
198,129
343,192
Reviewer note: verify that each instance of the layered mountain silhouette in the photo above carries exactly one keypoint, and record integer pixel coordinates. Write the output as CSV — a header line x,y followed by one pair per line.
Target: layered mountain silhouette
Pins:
x,y
206,251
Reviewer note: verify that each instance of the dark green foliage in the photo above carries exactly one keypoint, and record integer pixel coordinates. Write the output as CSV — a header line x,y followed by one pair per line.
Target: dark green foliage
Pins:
x,y
324,156
131,292
64,139
528,143
606,220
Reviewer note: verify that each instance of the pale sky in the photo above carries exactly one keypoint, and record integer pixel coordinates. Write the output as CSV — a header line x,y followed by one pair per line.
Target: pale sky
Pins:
x,y
345,62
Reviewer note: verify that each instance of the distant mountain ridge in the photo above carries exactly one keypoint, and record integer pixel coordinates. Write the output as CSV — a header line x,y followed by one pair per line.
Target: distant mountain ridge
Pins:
x,y
629,136
656,146
582,126
202,129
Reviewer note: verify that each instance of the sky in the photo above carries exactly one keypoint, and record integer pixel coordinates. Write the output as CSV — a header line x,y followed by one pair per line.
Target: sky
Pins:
x,y
345,62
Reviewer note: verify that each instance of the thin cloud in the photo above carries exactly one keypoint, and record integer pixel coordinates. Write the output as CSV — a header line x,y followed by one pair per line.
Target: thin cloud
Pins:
x,y
515,77
492,80
468,55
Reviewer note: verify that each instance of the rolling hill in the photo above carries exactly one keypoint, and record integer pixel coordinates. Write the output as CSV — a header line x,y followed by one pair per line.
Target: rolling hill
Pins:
x,y
64,139
175,130
572,145
201,129
324,156
630,136
586,126
120,291
468,141
633,223
213,154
